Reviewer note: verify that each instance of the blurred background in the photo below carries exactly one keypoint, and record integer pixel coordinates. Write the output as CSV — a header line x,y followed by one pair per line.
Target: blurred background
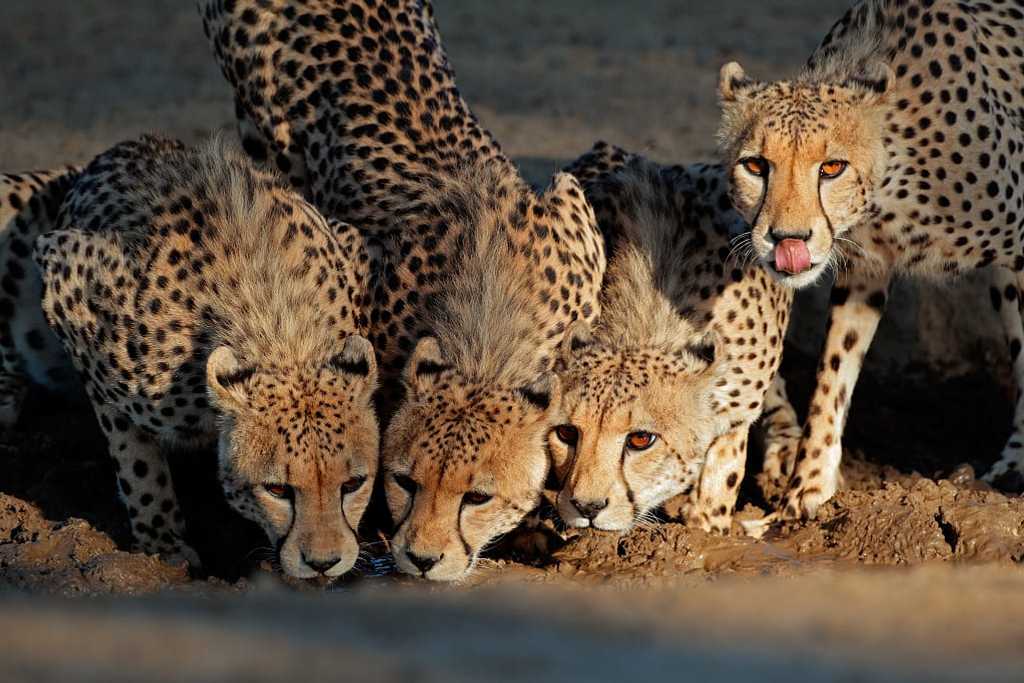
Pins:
x,y
549,79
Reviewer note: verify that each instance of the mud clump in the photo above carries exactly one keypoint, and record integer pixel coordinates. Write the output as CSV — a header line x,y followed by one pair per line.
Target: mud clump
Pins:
x,y
884,518
71,557
916,521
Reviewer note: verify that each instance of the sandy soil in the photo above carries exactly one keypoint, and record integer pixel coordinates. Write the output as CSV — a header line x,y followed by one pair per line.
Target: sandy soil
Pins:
x,y
913,573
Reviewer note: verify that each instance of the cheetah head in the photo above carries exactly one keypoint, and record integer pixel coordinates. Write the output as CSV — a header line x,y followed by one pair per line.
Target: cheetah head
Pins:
x,y
298,452
804,161
464,463
637,427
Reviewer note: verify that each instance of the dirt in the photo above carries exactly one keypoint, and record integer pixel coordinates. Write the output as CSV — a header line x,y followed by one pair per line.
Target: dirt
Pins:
x,y
910,573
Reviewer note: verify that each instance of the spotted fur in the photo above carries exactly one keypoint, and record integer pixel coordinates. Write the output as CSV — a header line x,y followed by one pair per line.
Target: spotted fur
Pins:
x,y
923,100
354,100
202,301
688,342
31,354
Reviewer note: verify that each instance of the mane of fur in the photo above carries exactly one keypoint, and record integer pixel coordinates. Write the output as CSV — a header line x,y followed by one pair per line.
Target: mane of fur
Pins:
x,y
642,282
485,315
274,315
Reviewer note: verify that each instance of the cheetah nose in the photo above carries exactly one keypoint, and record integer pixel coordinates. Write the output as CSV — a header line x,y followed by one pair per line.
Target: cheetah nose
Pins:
x,y
590,509
423,562
321,566
792,256
780,234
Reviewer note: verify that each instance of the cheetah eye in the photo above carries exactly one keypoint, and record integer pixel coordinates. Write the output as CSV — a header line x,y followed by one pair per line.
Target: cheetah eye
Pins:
x,y
279,491
833,168
352,485
757,166
476,498
567,434
407,484
640,441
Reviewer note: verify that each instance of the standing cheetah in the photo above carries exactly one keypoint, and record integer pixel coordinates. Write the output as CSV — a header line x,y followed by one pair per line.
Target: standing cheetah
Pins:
x,y
897,150
29,203
202,300
661,395
478,276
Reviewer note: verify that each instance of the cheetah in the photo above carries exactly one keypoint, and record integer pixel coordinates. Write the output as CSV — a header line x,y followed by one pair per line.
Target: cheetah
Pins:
x,y
31,353
661,393
465,452
477,277
203,301
896,151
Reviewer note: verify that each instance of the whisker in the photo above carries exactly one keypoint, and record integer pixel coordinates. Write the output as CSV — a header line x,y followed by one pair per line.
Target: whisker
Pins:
x,y
851,242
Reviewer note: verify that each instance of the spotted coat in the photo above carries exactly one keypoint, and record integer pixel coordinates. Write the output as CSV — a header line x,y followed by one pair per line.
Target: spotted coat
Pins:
x,y
357,102
688,343
186,328
919,105
31,354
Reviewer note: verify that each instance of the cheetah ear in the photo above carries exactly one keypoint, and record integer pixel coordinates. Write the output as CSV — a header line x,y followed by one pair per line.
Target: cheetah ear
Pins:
x,y
425,366
227,380
876,80
564,192
367,246
702,349
733,82
544,393
577,338
356,360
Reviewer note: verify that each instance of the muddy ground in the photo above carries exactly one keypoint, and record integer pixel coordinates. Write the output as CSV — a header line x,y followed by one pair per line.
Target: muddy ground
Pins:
x,y
912,573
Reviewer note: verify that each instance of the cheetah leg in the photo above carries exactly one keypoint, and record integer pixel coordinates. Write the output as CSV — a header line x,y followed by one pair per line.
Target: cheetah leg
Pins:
x,y
13,389
858,301
781,437
1006,299
144,484
715,499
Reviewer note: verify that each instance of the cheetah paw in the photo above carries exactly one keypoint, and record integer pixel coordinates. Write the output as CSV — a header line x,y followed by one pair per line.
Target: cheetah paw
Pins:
x,y
176,555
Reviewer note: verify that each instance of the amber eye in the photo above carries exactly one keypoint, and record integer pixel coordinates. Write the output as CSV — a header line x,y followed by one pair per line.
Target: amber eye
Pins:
x,y
406,482
279,490
640,441
755,166
476,498
567,434
352,485
833,169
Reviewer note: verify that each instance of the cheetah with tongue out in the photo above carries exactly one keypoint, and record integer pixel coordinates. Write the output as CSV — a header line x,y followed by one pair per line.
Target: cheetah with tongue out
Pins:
x,y
898,150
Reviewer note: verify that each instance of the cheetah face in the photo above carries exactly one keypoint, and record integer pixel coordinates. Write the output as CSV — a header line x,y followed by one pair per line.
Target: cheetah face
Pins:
x,y
803,161
464,463
639,423
298,453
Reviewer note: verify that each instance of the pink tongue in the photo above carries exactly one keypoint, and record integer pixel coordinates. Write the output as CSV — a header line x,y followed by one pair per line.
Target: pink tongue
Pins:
x,y
791,256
